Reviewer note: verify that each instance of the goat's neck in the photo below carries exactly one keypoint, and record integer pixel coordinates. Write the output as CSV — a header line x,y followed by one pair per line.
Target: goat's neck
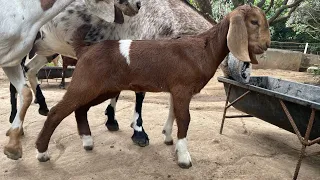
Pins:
x,y
216,44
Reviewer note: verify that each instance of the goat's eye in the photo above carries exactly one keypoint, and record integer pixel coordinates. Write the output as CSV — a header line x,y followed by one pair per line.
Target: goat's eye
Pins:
x,y
254,22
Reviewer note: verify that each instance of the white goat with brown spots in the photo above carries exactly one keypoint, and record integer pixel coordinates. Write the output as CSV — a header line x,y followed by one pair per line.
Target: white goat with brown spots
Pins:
x,y
19,24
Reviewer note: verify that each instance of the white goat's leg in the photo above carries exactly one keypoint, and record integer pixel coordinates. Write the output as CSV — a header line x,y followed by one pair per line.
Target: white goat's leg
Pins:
x,y
167,128
33,68
13,149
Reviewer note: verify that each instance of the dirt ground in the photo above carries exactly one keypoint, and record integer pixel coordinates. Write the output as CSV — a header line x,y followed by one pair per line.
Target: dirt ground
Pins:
x,y
249,149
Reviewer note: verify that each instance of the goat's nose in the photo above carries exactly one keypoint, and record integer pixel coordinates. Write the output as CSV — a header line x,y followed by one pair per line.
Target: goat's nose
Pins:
x,y
138,5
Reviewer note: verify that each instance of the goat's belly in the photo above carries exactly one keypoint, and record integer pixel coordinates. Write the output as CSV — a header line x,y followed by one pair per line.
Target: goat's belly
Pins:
x,y
147,88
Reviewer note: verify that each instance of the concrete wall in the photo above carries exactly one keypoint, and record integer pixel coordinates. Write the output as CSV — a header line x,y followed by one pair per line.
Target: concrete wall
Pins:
x,y
287,60
309,60
279,59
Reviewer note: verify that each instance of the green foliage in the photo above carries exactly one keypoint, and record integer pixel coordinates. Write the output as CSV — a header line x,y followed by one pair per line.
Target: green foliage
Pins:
x,y
306,20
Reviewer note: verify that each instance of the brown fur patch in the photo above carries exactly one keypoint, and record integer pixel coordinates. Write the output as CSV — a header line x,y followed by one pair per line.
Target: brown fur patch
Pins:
x,y
47,4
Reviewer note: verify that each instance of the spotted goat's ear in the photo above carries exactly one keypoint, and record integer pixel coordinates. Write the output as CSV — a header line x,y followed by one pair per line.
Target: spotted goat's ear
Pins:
x,y
118,16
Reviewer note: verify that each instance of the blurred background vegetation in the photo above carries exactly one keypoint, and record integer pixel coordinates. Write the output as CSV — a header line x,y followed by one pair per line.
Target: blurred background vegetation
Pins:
x,y
293,23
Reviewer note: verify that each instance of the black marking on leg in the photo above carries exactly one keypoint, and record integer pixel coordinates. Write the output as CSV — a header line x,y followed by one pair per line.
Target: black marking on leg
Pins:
x,y
140,138
111,123
13,100
43,109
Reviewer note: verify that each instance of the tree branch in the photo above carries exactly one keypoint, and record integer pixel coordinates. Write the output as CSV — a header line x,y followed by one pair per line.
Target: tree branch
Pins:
x,y
261,3
251,1
270,6
279,19
282,8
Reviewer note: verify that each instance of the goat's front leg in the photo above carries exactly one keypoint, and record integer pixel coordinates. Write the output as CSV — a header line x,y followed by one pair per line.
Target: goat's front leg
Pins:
x,y
139,136
83,127
112,123
181,103
167,128
33,68
13,149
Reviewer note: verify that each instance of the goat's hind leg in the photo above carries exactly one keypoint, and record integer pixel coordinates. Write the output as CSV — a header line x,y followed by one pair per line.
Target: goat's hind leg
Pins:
x,y
82,119
13,149
139,137
32,68
83,127
167,128
112,123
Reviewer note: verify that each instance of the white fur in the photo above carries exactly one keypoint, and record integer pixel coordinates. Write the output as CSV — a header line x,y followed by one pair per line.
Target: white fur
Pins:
x,y
17,79
113,103
182,152
43,156
134,122
87,141
167,128
124,46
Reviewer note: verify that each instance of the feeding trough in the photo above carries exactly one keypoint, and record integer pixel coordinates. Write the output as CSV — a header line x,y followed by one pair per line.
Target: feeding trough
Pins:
x,y
52,72
292,106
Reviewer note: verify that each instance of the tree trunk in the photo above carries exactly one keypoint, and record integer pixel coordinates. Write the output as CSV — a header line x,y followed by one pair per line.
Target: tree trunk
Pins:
x,y
237,3
205,6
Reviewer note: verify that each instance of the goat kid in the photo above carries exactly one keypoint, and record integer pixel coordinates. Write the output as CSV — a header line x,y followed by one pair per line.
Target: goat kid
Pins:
x,y
20,22
156,19
181,67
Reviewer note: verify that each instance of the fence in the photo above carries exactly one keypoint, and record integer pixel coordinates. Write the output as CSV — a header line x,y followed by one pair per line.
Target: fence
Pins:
x,y
310,48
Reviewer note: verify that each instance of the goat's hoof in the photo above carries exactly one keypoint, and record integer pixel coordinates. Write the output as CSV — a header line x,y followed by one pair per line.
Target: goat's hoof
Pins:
x,y
13,152
62,86
44,112
87,142
184,158
9,131
88,148
169,143
43,157
35,101
185,165
140,138
112,126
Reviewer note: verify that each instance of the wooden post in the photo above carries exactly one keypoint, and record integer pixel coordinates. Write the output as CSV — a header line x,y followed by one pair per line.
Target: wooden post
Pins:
x,y
306,48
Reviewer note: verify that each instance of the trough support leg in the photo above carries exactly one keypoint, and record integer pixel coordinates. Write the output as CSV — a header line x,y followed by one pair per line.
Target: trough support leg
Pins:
x,y
225,108
304,145
304,141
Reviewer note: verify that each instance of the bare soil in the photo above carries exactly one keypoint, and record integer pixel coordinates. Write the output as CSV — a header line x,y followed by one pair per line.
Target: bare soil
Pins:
x,y
249,148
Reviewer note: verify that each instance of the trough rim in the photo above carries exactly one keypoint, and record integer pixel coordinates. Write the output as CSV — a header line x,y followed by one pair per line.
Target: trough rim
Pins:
x,y
276,94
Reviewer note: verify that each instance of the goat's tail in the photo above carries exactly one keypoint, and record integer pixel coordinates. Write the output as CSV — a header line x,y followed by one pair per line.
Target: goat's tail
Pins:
x,y
78,38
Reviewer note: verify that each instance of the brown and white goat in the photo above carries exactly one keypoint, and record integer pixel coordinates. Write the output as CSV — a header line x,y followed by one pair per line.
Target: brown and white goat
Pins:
x,y
180,66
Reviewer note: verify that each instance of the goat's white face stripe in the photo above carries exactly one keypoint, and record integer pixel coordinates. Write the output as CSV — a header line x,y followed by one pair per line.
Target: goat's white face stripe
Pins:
x,y
124,47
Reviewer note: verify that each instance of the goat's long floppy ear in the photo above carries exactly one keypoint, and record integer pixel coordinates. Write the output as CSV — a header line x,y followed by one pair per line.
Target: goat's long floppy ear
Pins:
x,y
237,38
118,16
104,9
